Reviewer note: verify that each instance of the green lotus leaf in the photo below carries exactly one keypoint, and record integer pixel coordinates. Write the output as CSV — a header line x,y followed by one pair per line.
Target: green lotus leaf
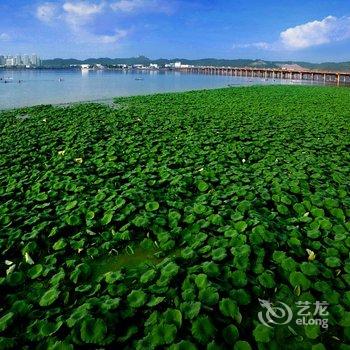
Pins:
x,y
119,202
242,345
333,261
262,333
15,278
298,279
173,316
345,320
154,301
93,331
240,226
73,220
239,278
211,269
199,209
174,216
266,280
7,343
203,329
219,254
71,205
49,297
6,321
107,218
188,253
190,310
228,308
230,334
183,345
201,281
202,186
136,298
42,197
60,244
35,271
152,206
163,334
209,296
61,345
48,328
309,269
282,209
170,270
112,277
148,276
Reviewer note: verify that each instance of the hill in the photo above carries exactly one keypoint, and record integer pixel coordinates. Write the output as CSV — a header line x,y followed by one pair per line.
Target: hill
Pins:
x,y
64,63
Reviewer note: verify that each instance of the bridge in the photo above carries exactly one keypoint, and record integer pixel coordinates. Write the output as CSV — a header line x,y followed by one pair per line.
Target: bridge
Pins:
x,y
338,78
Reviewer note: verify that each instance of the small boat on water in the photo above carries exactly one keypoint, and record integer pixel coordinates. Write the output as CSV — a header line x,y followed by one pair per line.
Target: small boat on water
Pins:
x,y
139,78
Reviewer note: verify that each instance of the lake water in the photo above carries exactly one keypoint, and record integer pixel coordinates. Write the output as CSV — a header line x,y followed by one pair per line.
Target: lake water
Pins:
x,y
65,86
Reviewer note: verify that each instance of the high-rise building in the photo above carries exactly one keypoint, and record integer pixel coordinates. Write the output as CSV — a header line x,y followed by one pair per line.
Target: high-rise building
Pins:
x,y
18,60
10,61
34,59
26,60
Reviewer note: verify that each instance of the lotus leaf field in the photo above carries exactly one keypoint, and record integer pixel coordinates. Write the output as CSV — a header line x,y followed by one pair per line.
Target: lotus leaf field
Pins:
x,y
159,222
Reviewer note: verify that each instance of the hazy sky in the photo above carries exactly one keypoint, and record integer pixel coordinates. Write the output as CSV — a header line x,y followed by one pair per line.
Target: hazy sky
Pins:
x,y
313,30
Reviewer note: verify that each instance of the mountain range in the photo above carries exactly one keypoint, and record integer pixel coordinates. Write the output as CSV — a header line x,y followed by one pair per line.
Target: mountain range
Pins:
x,y
64,63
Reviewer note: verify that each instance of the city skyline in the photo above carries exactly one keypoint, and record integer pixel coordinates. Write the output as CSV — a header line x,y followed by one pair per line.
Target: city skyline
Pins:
x,y
27,60
272,30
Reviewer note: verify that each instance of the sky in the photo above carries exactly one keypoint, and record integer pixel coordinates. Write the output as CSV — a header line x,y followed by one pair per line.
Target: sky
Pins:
x,y
307,30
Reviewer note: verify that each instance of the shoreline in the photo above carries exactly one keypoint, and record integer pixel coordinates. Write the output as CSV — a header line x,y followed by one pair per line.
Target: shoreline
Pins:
x,y
110,100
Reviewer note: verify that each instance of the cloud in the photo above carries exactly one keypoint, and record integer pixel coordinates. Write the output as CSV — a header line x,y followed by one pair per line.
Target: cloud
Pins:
x,y
82,8
86,37
47,12
132,6
330,29
83,18
258,45
4,37
80,13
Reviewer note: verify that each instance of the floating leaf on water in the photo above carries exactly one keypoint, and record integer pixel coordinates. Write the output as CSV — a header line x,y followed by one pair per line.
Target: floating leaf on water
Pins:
x,y
136,298
49,297
152,206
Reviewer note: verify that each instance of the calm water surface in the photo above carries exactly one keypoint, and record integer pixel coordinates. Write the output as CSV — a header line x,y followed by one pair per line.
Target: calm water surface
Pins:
x,y
65,86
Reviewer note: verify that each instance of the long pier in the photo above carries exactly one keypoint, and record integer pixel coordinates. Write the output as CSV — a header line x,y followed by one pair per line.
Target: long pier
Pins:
x,y
338,78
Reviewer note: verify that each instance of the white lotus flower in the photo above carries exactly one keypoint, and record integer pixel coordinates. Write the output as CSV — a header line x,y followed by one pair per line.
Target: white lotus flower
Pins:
x,y
8,262
312,255
78,160
61,153
28,259
243,160
10,269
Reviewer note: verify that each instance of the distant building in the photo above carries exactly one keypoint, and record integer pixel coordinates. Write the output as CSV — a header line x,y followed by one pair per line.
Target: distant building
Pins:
x,y
173,65
154,66
34,60
18,60
26,60
10,61
99,66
